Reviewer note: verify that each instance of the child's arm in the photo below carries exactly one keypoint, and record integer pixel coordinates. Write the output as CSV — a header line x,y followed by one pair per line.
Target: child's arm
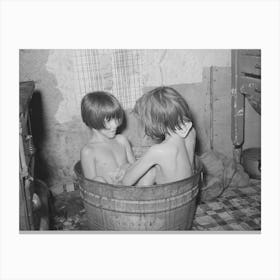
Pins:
x,y
123,140
190,141
148,179
140,167
187,131
88,165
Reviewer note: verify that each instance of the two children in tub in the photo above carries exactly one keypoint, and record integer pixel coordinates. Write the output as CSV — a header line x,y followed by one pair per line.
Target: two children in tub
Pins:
x,y
108,157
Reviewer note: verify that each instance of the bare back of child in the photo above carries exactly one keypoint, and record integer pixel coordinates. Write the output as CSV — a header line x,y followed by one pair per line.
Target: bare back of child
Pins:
x,y
169,162
165,116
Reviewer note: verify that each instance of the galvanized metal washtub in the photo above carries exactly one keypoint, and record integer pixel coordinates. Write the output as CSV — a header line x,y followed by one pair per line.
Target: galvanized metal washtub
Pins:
x,y
162,207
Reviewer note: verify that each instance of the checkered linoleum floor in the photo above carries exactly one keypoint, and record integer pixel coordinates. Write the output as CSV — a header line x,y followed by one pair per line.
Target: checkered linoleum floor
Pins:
x,y
237,209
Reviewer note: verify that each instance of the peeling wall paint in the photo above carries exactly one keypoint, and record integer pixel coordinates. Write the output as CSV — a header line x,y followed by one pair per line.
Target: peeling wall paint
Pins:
x,y
58,143
63,133
60,64
170,67
160,67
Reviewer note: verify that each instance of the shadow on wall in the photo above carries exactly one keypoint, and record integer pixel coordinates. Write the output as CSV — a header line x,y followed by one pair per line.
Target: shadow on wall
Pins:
x,y
39,135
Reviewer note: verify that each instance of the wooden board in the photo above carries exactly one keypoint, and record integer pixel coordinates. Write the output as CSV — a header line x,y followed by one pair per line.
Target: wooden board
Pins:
x,y
222,110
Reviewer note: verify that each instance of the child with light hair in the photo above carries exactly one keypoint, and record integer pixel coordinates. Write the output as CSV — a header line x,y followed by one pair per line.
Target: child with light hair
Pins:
x,y
166,118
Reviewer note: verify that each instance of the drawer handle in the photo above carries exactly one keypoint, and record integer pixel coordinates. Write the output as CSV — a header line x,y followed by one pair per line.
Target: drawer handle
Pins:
x,y
243,89
258,66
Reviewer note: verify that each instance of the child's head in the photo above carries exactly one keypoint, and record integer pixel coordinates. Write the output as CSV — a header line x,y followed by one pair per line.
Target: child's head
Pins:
x,y
99,108
162,110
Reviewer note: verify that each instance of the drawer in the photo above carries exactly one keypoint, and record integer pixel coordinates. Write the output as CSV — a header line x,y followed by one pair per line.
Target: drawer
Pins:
x,y
249,65
251,88
250,52
248,85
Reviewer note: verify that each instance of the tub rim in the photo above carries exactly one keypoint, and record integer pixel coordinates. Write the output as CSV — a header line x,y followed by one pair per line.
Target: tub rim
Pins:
x,y
199,169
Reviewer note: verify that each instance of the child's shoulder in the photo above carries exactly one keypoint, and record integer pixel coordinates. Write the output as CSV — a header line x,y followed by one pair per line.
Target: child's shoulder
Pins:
x,y
165,150
157,149
156,153
88,150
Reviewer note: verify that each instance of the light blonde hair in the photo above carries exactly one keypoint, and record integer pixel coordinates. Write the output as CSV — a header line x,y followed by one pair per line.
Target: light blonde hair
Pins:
x,y
162,110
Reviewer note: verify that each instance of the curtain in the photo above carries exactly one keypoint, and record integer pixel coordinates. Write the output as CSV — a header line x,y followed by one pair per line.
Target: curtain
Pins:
x,y
118,71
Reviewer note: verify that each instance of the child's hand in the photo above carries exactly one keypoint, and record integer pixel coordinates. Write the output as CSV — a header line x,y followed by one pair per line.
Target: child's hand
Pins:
x,y
117,175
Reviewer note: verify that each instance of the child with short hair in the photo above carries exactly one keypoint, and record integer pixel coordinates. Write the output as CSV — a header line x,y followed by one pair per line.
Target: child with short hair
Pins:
x,y
106,153
166,117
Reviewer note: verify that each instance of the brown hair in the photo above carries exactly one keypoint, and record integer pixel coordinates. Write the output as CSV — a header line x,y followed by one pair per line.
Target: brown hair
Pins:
x,y
98,106
160,110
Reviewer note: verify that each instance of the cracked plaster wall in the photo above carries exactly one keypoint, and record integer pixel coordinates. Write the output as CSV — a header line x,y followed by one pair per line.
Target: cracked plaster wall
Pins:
x,y
63,131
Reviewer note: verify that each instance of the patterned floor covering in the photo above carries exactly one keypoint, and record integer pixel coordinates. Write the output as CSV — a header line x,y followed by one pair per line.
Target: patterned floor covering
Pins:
x,y
237,209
